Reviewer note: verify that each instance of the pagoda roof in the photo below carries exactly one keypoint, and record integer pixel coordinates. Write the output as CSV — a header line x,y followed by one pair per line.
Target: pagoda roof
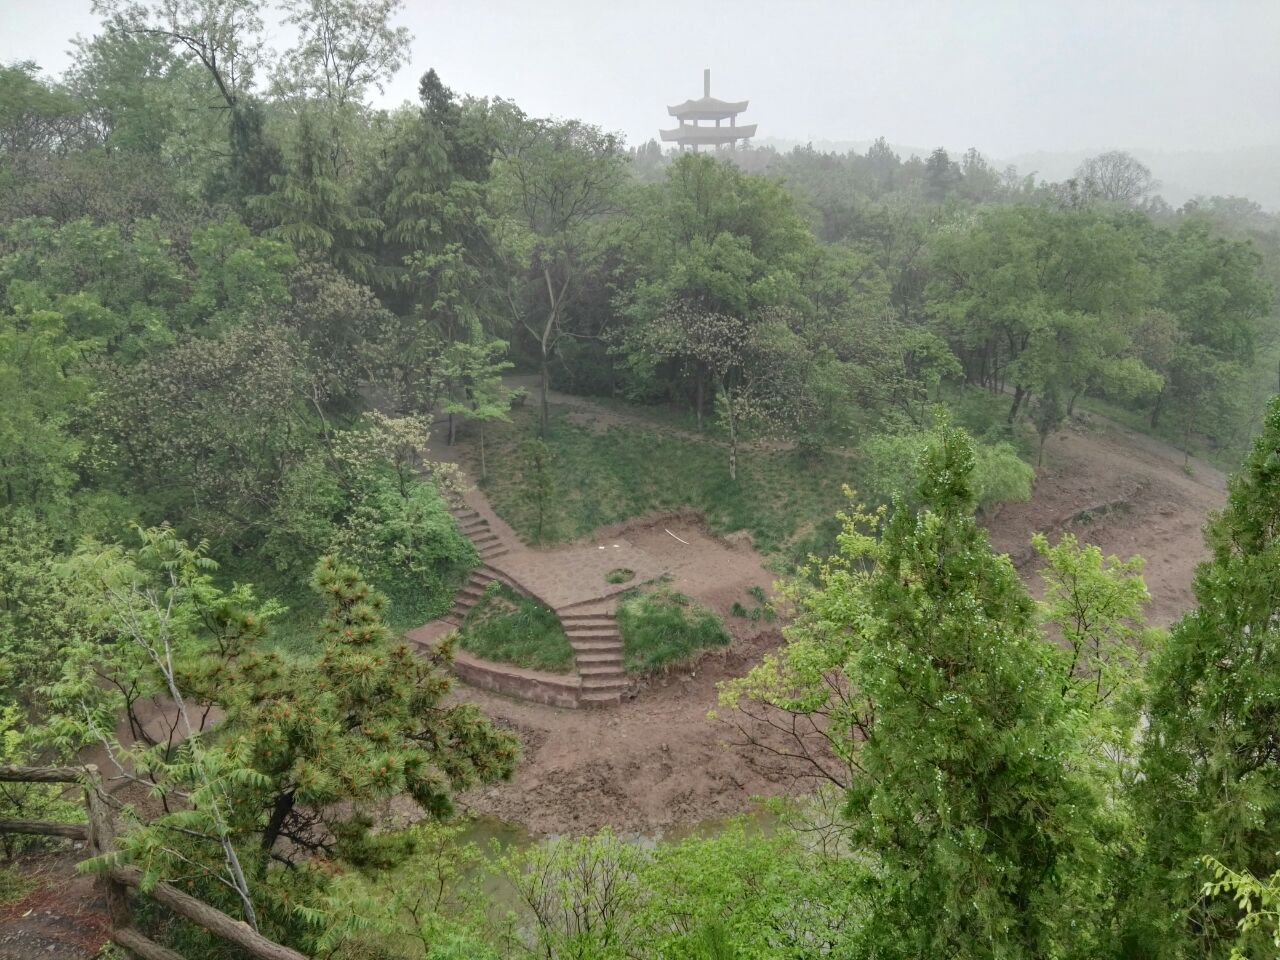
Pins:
x,y
708,135
707,108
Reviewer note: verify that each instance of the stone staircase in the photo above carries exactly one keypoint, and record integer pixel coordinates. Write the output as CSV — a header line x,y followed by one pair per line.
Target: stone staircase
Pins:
x,y
470,593
592,630
476,529
591,627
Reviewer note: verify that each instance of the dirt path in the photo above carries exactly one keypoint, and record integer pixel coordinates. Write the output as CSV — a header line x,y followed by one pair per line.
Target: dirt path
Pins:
x,y
62,917
1154,508
652,763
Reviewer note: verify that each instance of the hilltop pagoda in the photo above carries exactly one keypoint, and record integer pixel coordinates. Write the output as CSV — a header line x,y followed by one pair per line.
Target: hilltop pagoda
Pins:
x,y
691,133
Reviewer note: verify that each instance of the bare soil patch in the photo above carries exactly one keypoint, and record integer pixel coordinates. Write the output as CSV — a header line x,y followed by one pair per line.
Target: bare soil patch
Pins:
x,y
654,763
1125,496
62,917
658,761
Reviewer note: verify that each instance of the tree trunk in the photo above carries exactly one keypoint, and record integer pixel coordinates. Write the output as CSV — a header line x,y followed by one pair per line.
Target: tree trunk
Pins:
x,y
279,813
733,437
483,474
546,380
700,395
452,430
1019,394
1155,410
545,341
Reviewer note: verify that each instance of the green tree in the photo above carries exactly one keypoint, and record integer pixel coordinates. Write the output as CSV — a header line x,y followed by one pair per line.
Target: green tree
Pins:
x,y
1211,783
1028,296
722,242
537,482
919,659
1115,177
942,175
1214,290
554,187
304,751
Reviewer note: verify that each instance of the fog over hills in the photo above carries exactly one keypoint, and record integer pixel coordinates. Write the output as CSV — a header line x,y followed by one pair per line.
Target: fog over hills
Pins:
x,y
1252,172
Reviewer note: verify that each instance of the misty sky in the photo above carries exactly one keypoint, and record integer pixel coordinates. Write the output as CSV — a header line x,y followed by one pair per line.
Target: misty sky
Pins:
x,y
1007,77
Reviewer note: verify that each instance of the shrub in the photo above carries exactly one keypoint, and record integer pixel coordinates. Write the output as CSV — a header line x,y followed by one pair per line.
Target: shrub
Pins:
x,y
663,626
620,575
999,474
409,545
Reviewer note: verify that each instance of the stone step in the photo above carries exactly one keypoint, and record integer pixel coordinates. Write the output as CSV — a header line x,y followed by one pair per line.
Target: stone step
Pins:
x,y
595,645
493,554
593,634
485,540
465,514
587,620
600,700
613,661
599,682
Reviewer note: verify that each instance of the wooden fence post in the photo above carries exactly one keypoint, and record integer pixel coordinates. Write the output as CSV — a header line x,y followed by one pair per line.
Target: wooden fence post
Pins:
x,y
102,837
116,881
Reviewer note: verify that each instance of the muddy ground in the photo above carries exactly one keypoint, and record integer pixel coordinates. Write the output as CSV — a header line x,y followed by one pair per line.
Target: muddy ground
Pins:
x,y
658,761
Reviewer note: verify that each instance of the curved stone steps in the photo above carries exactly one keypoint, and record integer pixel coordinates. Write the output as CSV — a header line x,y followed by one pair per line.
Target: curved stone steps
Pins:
x,y
591,627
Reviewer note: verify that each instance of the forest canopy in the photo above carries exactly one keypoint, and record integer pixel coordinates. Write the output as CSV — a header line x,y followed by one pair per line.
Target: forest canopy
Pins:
x,y
245,315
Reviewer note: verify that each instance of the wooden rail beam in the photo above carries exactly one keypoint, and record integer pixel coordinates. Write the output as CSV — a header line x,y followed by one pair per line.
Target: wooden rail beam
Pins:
x,y
47,828
42,774
210,918
141,946
100,834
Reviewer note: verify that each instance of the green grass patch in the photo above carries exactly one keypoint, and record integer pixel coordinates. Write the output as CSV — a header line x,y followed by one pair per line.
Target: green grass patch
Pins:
x,y
296,632
510,628
786,500
620,575
662,626
761,610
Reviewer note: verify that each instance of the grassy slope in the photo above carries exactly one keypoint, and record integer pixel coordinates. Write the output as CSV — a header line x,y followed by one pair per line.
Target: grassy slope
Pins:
x,y
662,626
509,628
787,502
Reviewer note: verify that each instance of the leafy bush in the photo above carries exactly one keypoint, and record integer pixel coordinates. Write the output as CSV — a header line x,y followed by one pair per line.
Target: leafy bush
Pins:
x,y
620,575
510,628
410,547
27,801
663,626
999,474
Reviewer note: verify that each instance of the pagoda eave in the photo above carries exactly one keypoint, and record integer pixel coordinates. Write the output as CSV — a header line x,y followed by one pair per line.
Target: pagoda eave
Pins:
x,y
708,135
708,108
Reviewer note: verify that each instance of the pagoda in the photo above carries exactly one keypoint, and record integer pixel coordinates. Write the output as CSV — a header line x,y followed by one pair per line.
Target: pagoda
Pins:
x,y
691,133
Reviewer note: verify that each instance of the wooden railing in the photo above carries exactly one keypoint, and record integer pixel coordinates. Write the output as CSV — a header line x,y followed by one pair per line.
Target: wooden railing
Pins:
x,y
116,882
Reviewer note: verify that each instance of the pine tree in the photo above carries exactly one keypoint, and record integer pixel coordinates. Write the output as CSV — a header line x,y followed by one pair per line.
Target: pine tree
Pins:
x,y
1211,761
920,659
367,722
